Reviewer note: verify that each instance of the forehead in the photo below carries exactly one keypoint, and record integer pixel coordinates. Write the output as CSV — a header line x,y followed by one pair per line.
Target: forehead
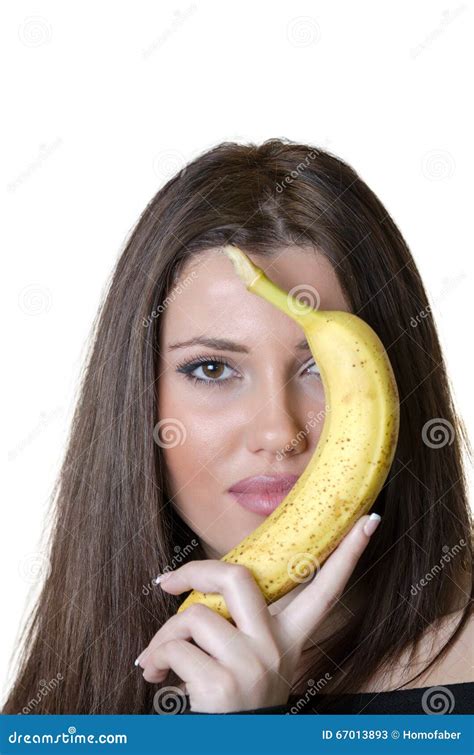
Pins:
x,y
209,296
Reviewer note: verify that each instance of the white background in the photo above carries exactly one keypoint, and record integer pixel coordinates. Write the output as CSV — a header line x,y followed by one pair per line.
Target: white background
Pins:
x,y
104,101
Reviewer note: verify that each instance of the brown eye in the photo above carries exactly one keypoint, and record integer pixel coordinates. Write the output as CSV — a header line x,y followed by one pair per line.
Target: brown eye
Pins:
x,y
216,370
207,371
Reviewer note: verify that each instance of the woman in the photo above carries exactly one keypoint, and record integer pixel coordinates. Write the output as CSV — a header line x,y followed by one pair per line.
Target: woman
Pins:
x,y
192,386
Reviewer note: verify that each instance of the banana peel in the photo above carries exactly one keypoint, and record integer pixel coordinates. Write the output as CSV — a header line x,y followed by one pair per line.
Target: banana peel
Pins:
x,y
351,461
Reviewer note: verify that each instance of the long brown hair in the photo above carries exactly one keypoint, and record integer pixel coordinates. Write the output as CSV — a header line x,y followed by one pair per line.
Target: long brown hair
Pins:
x,y
114,525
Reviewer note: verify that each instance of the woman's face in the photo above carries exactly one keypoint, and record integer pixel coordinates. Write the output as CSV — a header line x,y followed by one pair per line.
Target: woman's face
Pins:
x,y
258,410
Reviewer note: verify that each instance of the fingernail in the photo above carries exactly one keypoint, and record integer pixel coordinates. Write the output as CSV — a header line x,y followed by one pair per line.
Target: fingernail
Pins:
x,y
371,524
142,655
162,577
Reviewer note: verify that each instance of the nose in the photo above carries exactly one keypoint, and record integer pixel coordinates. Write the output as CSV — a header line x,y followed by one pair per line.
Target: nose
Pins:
x,y
273,427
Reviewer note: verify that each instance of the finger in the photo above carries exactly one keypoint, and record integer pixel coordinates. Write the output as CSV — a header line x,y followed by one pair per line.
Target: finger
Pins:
x,y
186,660
211,632
301,617
234,582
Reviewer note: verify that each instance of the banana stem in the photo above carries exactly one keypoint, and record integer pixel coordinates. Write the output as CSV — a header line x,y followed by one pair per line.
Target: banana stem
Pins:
x,y
256,281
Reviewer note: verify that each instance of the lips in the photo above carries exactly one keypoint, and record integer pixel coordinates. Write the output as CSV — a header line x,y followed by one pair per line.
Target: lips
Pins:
x,y
264,484
262,494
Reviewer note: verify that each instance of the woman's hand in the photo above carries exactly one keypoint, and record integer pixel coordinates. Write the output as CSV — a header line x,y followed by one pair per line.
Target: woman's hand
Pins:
x,y
249,665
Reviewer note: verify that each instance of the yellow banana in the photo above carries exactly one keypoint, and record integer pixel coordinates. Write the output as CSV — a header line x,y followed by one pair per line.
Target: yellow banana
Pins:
x,y
351,461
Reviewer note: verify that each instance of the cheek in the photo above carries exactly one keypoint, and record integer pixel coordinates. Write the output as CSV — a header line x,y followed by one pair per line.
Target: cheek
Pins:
x,y
313,403
202,438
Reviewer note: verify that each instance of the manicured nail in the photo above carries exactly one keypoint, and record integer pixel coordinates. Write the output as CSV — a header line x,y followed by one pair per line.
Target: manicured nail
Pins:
x,y
142,654
371,524
162,577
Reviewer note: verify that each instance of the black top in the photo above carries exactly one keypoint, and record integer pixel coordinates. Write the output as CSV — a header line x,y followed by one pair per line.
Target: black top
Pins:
x,y
447,698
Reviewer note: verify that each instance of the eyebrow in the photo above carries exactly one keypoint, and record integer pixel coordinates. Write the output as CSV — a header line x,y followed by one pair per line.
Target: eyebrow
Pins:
x,y
223,344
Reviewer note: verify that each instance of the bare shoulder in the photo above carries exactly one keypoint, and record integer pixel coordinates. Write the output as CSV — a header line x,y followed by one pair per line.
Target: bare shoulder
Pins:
x,y
455,666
